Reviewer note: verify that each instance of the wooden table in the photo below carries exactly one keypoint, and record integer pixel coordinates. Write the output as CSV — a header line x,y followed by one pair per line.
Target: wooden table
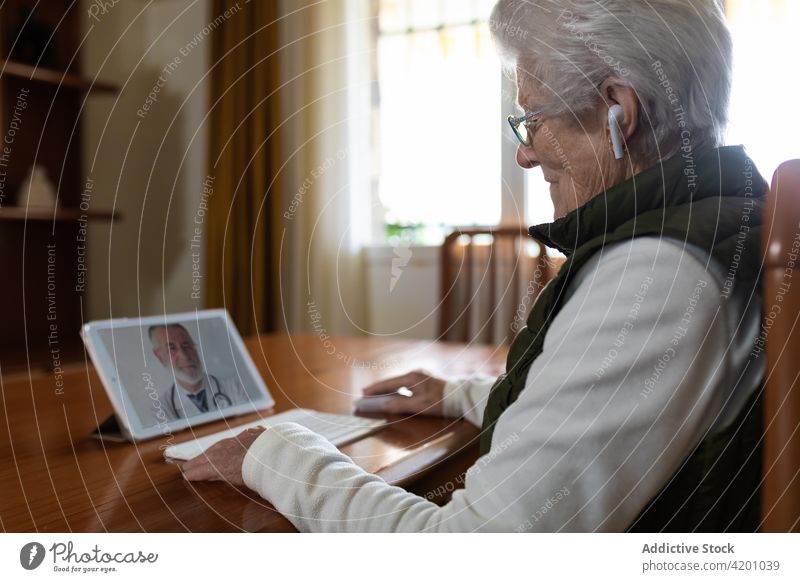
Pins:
x,y
53,477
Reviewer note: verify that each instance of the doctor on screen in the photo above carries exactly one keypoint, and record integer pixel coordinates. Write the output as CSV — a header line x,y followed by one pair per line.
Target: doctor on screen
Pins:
x,y
194,391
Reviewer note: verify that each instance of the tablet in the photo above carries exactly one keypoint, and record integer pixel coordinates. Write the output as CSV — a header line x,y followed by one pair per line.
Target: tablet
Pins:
x,y
169,372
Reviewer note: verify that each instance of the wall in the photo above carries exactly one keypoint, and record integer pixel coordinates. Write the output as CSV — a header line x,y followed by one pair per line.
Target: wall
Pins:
x,y
148,165
403,291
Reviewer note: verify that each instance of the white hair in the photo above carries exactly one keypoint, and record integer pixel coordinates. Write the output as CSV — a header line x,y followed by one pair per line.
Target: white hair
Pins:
x,y
675,54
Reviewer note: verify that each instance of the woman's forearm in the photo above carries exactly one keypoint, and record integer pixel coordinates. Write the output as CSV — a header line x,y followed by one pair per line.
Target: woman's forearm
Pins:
x,y
466,397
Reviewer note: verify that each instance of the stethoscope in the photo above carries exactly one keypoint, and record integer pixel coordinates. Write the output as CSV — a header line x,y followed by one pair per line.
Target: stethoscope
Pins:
x,y
220,399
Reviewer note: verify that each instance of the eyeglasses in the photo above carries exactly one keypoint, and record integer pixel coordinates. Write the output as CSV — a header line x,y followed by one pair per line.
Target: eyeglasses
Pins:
x,y
522,125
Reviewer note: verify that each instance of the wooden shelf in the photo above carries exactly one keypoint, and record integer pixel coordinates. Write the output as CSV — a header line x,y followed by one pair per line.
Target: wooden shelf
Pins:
x,y
57,78
51,138
17,213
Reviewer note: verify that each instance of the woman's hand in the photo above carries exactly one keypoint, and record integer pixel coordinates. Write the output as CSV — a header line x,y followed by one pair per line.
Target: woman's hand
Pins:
x,y
222,461
427,399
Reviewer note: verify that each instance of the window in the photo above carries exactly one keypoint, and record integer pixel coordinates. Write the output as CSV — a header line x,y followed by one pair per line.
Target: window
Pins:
x,y
763,110
439,117
538,205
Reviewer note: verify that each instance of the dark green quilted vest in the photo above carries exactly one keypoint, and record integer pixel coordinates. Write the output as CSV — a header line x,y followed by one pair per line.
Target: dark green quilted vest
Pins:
x,y
713,199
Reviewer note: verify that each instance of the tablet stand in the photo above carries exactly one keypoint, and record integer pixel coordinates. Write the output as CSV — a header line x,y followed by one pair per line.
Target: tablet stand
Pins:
x,y
109,430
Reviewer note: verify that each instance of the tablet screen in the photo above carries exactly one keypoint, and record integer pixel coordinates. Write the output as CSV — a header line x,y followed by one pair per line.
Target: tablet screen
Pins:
x,y
166,373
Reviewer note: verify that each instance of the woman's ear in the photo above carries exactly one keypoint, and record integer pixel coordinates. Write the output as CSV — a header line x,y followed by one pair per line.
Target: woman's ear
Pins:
x,y
613,91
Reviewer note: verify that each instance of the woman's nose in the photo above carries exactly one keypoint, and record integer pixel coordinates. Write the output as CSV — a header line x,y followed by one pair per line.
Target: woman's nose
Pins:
x,y
526,157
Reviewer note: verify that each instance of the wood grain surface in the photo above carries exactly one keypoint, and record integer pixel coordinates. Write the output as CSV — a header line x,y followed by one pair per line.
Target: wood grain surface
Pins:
x,y
55,478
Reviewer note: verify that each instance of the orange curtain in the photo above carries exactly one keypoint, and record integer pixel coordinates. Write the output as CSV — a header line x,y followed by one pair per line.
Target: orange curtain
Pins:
x,y
243,220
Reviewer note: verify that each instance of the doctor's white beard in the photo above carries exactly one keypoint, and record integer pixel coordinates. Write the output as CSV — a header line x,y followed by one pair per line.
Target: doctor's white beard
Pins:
x,y
188,378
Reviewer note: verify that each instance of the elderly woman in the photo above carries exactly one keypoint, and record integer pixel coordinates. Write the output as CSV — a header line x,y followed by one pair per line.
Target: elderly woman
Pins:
x,y
630,400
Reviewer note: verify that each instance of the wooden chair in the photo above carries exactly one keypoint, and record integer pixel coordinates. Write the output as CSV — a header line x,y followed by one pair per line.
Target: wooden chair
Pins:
x,y
489,279
780,496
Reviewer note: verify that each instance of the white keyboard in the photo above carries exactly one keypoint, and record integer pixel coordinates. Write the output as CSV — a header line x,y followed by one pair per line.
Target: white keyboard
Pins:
x,y
339,429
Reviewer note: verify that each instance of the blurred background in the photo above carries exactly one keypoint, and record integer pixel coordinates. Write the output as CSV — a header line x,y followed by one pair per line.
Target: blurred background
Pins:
x,y
299,163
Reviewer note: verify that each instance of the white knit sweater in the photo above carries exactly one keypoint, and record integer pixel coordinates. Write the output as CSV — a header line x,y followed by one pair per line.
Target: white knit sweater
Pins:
x,y
644,358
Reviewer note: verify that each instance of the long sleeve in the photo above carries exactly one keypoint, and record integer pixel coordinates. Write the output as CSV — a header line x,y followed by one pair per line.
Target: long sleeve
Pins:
x,y
466,397
630,377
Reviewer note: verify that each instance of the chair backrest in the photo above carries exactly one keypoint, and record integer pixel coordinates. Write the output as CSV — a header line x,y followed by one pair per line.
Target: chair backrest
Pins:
x,y
489,279
780,497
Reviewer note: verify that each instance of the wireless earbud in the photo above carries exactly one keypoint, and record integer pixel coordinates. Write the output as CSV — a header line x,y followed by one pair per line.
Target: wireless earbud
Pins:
x,y
615,117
